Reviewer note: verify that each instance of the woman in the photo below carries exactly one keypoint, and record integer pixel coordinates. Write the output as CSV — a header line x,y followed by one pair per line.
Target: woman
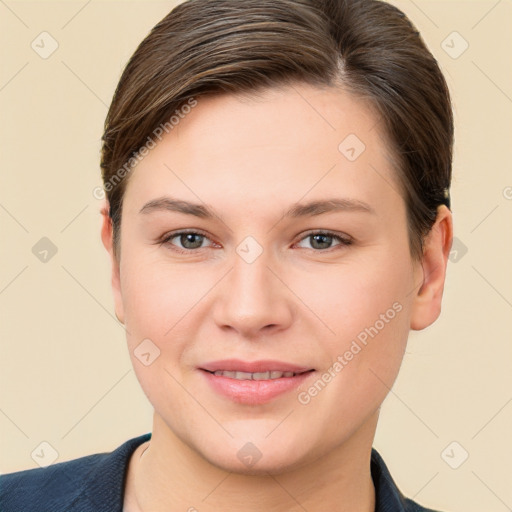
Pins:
x,y
277,217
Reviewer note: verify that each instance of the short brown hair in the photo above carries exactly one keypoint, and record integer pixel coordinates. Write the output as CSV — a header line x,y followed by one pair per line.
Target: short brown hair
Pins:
x,y
236,46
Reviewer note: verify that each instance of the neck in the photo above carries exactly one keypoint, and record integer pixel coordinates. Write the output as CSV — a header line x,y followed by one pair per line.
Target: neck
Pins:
x,y
166,474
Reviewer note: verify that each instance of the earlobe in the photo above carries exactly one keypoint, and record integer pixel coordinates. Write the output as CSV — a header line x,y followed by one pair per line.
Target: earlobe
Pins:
x,y
107,239
427,301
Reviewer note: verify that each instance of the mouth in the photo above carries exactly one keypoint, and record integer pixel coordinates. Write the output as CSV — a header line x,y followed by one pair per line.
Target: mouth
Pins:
x,y
268,375
256,382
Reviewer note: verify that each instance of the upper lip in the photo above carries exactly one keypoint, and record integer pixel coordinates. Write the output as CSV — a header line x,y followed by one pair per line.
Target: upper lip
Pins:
x,y
237,365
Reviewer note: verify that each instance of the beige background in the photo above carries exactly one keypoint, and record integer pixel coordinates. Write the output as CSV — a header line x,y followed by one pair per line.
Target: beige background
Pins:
x,y
66,377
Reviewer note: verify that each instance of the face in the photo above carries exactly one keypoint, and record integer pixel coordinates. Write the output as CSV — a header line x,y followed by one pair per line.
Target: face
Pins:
x,y
266,236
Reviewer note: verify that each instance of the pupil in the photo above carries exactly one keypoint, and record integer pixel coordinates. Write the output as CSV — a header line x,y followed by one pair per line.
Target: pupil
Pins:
x,y
189,237
323,244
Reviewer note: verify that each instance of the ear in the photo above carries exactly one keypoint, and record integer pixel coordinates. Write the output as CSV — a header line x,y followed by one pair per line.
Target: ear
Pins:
x,y
426,306
108,242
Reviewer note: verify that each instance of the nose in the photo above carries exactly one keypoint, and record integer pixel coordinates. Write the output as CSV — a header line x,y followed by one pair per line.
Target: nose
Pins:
x,y
253,301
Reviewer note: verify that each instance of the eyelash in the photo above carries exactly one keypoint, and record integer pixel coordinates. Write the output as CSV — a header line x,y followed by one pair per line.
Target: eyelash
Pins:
x,y
166,240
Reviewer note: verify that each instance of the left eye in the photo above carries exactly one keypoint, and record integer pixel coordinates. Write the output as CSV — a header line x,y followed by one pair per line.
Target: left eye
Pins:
x,y
323,240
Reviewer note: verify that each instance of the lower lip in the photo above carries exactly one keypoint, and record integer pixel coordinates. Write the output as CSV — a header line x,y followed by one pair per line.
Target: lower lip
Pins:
x,y
254,392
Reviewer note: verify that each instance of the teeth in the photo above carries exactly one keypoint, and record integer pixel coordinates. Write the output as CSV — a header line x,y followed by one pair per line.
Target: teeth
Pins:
x,y
243,376
253,376
231,375
262,376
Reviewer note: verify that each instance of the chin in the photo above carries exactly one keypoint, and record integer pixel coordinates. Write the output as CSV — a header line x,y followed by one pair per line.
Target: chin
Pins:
x,y
263,467
258,458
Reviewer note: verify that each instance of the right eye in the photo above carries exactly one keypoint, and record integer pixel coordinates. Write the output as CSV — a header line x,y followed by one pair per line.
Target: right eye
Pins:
x,y
190,241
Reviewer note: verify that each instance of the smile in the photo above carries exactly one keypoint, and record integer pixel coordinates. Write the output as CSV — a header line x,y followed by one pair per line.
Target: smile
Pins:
x,y
270,375
253,383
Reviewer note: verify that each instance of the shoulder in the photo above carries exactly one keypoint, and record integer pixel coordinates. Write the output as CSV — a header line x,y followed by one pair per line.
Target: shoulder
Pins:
x,y
47,487
94,482
388,496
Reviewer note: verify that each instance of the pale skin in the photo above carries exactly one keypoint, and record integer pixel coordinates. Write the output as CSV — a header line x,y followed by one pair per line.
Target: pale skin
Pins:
x,y
299,302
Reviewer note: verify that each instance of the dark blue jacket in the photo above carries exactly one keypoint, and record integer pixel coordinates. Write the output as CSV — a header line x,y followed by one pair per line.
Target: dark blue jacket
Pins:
x,y
95,483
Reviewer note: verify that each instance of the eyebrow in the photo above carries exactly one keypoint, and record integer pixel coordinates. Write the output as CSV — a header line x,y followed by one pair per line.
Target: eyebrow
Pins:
x,y
310,208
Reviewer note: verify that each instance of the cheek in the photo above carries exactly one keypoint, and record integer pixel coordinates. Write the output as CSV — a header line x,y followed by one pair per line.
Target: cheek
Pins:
x,y
158,300
156,296
353,296
165,304
369,314
367,308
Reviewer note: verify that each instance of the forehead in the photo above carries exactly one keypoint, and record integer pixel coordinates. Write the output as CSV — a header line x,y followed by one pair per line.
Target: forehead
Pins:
x,y
280,143
284,118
